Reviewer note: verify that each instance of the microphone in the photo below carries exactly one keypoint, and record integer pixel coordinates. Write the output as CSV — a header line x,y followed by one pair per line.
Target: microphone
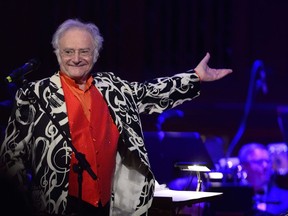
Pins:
x,y
19,73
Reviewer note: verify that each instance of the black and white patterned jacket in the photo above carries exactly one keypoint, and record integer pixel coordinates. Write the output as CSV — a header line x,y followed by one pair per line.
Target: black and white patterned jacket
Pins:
x,y
33,143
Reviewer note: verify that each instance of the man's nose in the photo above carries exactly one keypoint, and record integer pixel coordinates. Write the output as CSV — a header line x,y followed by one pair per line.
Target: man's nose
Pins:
x,y
76,57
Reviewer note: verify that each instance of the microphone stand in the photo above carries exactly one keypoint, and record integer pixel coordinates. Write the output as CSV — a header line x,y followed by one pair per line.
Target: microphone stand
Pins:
x,y
82,164
257,65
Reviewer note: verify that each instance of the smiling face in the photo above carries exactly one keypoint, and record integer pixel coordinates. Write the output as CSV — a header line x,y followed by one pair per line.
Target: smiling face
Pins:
x,y
76,50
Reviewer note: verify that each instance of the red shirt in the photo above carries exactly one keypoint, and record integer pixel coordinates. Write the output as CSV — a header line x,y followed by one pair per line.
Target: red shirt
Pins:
x,y
94,134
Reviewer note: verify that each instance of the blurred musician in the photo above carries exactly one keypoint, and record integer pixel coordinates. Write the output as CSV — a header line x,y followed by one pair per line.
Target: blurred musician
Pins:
x,y
256,163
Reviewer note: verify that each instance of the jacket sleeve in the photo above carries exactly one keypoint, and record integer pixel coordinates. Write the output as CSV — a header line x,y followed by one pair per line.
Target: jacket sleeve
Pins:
x,y
15,147
164,93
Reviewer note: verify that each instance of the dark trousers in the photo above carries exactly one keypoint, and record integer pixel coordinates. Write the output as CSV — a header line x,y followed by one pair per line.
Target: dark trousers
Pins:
x,y
81,208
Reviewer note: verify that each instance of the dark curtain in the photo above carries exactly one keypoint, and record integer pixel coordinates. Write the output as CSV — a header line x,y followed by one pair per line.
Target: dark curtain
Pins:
x,y
151,38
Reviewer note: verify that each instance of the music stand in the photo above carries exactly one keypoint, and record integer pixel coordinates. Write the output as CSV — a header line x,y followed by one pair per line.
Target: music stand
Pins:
x,y
193,168
165,149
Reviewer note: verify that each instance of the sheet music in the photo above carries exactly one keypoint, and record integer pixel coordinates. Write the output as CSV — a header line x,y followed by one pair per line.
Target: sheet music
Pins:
x,y
179,196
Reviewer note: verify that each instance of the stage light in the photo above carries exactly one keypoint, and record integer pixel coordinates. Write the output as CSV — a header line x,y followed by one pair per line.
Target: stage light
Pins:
x,y
215,175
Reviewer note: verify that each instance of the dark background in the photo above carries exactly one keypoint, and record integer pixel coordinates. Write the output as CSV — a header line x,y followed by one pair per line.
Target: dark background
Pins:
x,y
144,39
